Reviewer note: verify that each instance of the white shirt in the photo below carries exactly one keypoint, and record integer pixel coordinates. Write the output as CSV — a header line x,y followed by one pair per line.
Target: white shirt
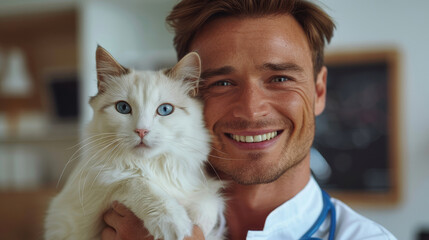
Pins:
x,y
292,219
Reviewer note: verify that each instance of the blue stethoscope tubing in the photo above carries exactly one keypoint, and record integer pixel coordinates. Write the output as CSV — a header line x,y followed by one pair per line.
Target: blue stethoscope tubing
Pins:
x,y
328,207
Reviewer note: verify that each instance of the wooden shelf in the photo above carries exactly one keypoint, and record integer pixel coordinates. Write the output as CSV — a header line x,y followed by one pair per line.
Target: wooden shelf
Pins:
x,y
49,41
22,213
42,139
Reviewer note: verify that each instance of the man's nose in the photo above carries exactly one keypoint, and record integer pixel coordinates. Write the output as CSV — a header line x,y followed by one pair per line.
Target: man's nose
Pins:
x,y
251,103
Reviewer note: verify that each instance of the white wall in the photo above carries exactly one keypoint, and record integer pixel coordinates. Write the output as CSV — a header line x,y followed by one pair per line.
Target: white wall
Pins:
x,y
402,24
132,30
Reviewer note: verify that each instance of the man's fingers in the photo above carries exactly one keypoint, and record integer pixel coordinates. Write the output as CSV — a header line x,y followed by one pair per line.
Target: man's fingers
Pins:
x,y
108,233
112,218
197,234
120,209
114,215
123,224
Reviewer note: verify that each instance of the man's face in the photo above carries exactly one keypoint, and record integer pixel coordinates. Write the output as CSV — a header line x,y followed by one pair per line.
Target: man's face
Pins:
x,y
260,95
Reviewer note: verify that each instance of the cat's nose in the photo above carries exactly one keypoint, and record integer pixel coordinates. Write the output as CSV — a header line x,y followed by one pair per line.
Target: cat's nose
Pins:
x,y
141,132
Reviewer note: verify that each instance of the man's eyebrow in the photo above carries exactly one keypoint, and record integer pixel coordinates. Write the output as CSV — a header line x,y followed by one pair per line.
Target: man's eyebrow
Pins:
x,y
282,67
217,72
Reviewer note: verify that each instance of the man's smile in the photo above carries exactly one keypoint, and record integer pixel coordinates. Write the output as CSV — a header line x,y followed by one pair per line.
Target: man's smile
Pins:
x,y
253,138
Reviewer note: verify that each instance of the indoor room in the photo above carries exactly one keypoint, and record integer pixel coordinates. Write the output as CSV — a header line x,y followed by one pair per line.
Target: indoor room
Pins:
x,y
373,133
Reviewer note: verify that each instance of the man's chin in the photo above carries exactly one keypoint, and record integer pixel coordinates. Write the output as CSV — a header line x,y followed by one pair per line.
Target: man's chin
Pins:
x,y
255,180
259,171
257,175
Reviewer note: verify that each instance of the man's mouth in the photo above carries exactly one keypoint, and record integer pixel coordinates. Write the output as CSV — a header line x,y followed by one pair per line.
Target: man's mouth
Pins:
x,y
254,138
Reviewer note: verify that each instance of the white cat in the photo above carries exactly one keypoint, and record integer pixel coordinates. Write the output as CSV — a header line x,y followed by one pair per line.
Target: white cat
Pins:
x,y
146,147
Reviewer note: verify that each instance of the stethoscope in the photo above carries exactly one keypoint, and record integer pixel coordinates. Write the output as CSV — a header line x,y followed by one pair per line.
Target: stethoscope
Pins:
x,y
327,207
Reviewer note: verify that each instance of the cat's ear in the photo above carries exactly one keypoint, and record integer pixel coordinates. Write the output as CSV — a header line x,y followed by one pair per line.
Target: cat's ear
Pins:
x,y
188,69
107,67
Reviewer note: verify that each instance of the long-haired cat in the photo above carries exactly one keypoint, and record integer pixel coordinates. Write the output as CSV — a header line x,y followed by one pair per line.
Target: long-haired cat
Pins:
x,y
145,147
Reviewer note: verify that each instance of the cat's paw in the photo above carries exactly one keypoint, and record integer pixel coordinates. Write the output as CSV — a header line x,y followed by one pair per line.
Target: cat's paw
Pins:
x,y
173,224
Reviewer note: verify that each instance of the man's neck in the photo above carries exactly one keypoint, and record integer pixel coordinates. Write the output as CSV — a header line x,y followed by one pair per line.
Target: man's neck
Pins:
x,y
248,206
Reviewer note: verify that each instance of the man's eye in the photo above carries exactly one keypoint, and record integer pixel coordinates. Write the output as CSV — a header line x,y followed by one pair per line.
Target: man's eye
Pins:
x,y
221,83
280,79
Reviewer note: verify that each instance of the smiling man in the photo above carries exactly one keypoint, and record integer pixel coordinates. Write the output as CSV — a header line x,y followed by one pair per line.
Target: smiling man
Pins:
x,y
258,83
263,85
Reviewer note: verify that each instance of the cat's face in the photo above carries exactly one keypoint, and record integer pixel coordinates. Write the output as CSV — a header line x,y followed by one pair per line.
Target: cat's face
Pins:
x,y
148,113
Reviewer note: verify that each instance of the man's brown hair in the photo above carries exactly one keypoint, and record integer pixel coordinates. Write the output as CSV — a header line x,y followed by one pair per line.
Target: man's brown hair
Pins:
x,y
189,16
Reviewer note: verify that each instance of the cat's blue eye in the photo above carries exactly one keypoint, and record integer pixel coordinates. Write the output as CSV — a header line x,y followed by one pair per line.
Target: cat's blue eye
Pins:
x,y
123,107
165,109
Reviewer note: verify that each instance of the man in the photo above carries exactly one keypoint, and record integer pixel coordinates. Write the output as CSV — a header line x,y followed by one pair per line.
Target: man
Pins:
x,y
263,84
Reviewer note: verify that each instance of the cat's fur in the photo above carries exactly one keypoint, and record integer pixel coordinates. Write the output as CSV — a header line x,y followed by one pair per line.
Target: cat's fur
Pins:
x,y
160,176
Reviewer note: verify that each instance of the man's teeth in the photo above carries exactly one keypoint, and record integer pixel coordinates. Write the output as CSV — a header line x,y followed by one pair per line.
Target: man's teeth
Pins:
x,y
253,139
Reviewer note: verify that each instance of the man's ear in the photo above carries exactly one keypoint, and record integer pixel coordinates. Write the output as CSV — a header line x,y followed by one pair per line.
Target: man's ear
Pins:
x,y
321,81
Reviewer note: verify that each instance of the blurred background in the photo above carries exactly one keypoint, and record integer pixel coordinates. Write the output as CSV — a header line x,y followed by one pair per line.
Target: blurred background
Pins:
x,y
47,73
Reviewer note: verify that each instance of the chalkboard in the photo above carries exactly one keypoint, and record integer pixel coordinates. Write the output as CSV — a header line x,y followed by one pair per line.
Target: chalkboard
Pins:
x,y
357,132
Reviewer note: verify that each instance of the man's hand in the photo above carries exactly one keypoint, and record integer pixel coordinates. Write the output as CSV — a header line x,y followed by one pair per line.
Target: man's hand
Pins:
x,y
122,224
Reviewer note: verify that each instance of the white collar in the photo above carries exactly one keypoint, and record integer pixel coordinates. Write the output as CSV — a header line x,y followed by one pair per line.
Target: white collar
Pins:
x,y
293,218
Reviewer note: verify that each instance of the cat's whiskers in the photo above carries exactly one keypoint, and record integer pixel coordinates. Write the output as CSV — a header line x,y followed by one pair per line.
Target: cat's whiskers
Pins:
x,y
98,139
217,150
106,143
228,159
81,187
113,155
101,159
79,151
190,146
89,138
197,139
214,170
86,149
207,161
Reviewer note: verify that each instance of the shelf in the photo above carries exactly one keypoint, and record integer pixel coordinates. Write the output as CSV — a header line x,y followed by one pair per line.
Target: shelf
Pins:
x,y
55,137
22,213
